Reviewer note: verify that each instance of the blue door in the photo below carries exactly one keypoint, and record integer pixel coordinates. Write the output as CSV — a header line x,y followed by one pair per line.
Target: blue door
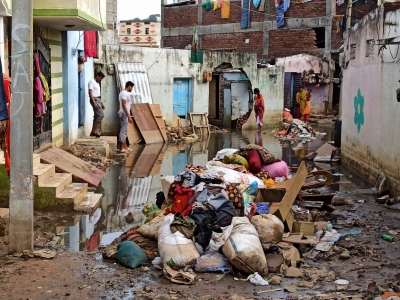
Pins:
x,y
181,97
81,97
180,160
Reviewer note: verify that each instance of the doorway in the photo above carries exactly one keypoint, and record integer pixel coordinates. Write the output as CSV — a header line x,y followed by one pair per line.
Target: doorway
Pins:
x,y
81,96
182,97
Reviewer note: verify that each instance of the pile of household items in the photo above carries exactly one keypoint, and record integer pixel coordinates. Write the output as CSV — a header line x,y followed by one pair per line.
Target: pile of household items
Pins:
x,y
240,214
297,130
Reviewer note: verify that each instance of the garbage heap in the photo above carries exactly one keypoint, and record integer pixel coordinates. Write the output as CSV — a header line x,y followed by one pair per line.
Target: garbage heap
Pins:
x,y
297,130
230,216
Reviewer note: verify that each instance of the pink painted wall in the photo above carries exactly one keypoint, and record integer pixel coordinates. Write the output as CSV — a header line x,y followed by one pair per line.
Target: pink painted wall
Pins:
x,y
318,96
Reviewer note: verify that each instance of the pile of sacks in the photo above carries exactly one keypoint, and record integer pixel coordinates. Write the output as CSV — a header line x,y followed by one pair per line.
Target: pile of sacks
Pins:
x,y
206,218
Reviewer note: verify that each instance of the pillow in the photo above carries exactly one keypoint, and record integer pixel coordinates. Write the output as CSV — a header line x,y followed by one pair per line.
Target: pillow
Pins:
x,y
278,169
254,161
266,156
236,159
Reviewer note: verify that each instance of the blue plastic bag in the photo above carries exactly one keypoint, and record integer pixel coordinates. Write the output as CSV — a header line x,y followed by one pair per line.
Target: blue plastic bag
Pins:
x,y
213,262
130,255
263,208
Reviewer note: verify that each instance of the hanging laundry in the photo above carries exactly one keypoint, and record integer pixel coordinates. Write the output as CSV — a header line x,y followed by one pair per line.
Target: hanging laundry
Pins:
x,y
339,2
42,78
220,2
245,22
286,5
3,104
90,44
7,90
226,9
215,5
39,96
207,5
263,6
256,3
280,16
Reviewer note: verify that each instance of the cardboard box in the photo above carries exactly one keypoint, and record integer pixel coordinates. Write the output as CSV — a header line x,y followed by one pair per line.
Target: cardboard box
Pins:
x,y
307,228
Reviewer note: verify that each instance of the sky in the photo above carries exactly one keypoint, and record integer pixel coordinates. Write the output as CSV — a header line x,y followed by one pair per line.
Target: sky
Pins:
x,y
130,9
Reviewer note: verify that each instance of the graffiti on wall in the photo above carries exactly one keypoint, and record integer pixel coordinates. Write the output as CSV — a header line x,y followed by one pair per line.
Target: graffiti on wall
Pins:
x,y
359,110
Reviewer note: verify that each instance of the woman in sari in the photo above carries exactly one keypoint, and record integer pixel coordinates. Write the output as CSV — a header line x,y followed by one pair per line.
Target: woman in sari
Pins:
x,y
303,99
259,108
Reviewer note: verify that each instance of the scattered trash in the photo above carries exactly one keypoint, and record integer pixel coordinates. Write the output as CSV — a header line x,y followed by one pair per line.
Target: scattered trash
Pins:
x,y
387,237
256,279
341,284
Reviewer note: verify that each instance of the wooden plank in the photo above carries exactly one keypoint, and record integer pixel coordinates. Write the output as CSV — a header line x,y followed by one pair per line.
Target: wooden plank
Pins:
x,y
324,153
146,123
134,135
292,192
156,110
71,164
149,161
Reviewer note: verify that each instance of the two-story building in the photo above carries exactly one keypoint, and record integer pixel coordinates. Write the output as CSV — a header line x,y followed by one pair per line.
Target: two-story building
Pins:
x,y
141,32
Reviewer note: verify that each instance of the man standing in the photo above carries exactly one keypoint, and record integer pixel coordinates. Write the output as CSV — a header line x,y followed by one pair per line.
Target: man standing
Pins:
x,y
125,115
95,101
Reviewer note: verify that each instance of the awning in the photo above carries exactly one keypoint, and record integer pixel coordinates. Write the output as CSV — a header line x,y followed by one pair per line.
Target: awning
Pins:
x,y
137,73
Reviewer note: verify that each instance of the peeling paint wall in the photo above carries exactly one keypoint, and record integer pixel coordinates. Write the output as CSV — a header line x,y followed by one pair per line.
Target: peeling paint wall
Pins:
x,y
166,64
370,127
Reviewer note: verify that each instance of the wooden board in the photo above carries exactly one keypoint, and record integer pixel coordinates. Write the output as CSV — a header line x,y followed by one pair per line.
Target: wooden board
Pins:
x,y
292,192
134,135
156,110
146,123
324,153
71,164
149,161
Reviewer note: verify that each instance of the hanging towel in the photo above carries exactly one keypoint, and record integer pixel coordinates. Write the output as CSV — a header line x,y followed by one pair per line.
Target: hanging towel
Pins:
x,y
90,45
256,3
42,78
226,9
215,5
280,16
263,6
207,5
286,5
7,90
244,23
220,2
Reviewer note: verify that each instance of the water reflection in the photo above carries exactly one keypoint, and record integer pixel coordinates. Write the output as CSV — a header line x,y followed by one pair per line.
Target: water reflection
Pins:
x,y
131,184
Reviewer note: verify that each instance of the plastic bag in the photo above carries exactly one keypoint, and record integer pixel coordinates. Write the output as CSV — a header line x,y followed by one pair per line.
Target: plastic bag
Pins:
x,y
175,249
269,227
221,153
249,193
213,262
130,255
243,248
256,279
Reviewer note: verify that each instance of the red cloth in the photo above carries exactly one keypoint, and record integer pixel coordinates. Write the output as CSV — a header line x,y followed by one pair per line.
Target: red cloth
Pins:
x,y
180,203
7,89
254,161
90,46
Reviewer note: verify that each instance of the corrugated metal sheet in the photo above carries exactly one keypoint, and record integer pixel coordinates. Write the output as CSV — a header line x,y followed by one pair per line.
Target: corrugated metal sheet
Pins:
x,y
137,73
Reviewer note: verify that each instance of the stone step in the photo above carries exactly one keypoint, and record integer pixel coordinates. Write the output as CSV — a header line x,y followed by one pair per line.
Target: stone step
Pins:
x,y
57,182
42,172
88,204
36,159
74,192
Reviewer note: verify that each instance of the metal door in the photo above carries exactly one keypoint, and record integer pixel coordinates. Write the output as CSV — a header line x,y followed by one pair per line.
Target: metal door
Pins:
x,y
181,97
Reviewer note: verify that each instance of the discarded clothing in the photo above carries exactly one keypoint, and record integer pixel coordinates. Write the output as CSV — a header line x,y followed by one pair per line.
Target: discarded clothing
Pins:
x,y
234,195
245,21
226,9
266,156
185,225
236,159
188,178
216,200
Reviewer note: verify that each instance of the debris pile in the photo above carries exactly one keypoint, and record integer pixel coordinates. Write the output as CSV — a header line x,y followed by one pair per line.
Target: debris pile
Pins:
x,y
297,131
91,156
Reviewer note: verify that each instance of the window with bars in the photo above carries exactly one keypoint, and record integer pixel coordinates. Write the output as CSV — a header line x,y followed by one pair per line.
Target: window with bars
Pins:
x,y
272,78
370,48
353,49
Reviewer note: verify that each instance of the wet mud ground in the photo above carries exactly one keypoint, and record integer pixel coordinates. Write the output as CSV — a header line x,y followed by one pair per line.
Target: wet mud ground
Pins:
x,y
76,274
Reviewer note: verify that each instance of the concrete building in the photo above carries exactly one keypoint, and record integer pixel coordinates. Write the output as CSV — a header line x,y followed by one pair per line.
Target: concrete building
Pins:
x,y
310,27
141,32
370,109
225,98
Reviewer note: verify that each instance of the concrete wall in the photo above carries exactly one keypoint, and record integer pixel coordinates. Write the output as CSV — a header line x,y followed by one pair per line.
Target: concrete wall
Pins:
x,y
319,96
370,110
166,64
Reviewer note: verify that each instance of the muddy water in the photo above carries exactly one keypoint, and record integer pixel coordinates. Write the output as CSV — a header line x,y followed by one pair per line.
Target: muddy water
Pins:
x,y
133,183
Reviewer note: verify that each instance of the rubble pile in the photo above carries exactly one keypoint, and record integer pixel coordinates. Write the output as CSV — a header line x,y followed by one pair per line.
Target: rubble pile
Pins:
x,y
297,131
177,134
91,156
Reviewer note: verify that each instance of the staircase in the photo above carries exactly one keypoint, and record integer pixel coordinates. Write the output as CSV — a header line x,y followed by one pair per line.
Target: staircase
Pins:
x,y
60,191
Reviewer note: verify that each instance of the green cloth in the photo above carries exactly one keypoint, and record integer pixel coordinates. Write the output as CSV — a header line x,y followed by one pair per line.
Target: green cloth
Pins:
x,y
185,225
207,5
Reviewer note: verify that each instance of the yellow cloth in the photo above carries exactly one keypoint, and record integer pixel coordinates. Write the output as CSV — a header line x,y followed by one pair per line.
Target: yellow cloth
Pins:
x,y
45,87
302,99
226,9
215,5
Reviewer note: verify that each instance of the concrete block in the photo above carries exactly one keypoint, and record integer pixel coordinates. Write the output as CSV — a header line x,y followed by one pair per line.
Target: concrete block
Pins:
x,y
227,28
174,32
216,29
185,31
205,29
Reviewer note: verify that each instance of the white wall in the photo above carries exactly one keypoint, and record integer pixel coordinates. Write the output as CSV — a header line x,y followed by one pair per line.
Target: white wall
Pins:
x,y
166,64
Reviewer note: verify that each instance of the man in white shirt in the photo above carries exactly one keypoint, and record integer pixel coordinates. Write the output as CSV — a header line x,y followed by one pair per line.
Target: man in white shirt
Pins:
x,y
125,114
95,101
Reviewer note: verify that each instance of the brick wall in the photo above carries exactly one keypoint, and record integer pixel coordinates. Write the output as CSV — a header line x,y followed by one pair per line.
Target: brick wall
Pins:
x,y
359,9
234,41
177,42
180,16
301,10
337,37
291,42
214,16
